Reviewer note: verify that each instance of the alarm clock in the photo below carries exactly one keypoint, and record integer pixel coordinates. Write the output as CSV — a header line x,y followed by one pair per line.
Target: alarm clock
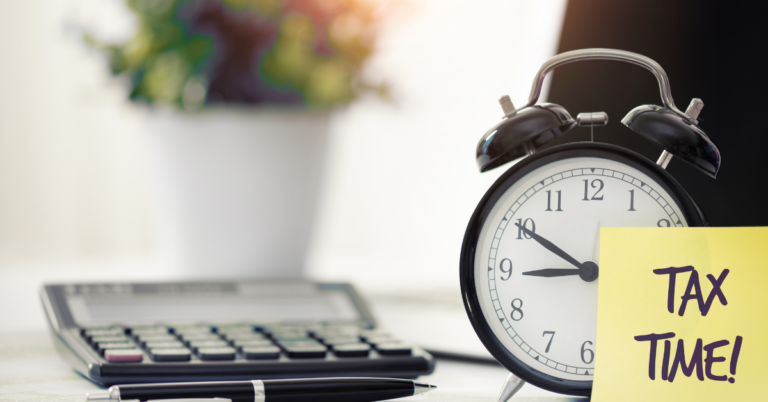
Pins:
x,y
530,257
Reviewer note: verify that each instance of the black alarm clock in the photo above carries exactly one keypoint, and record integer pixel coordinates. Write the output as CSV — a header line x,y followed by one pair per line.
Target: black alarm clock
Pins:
x,y
530,257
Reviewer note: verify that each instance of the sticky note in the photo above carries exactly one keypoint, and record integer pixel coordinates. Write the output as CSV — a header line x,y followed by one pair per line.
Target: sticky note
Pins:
x,y
682,315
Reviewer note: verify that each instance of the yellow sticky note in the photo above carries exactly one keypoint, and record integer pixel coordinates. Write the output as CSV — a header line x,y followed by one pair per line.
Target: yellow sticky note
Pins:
x,y
718,317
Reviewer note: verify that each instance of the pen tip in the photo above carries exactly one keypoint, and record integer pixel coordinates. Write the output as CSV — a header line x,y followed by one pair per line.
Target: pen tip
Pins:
x,y
419,388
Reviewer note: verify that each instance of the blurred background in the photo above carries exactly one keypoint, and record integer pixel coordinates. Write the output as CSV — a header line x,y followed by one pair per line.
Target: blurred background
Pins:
x,y
329,139
91,189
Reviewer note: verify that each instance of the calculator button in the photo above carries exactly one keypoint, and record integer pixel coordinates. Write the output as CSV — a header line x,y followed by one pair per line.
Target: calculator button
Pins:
x,y
137,333
225,353
286,327
393,348
156,338
189,329
137,328
337,331
86,329
123,355
199,337
163,345
303,349
376,337
222,329
289,333
352,349
260,352
107,339
297,336
170,355
231,331
340,339
244,337
90,333
101,347
208,344
251,342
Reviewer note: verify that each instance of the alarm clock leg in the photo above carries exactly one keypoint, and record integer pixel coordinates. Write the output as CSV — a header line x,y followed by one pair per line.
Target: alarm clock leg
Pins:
x,y
510,388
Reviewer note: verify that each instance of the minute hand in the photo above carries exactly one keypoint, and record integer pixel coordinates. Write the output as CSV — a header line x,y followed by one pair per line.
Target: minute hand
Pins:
x,y
549,246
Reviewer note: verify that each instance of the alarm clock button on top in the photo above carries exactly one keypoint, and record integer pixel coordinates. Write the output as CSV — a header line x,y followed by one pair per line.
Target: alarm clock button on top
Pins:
x,y
530,258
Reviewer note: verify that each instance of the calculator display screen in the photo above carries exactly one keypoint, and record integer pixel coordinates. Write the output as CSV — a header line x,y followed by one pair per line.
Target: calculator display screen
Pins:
x,y
209,303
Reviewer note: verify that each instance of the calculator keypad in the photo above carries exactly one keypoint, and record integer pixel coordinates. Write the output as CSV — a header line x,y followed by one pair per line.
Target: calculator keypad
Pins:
x,y
241,342
112,344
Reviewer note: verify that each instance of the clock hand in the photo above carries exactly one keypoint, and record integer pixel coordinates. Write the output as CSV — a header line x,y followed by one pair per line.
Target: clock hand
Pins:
x,y
553,272
588,271
549,246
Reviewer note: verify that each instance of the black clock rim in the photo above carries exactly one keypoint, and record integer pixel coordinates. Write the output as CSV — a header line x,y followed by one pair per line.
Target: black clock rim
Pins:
x,y
689,209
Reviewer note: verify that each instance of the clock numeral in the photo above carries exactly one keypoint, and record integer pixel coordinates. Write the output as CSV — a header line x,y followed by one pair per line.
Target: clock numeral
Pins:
x,y
550,339
516,309
584,351
663,223
631,200
509,270
520,233
549,201
595,183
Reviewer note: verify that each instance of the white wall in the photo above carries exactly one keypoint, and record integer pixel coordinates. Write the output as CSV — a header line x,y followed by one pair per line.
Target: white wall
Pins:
x,y
402,180
70,174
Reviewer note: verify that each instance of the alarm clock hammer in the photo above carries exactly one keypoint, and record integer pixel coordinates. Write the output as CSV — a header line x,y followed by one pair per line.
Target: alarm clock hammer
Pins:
x,y
587,270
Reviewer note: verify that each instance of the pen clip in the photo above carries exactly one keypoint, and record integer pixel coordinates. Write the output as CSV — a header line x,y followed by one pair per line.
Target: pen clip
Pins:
x,y
108,396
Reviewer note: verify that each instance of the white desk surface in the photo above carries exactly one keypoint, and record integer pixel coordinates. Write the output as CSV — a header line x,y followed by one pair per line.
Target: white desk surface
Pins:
x,y
32,371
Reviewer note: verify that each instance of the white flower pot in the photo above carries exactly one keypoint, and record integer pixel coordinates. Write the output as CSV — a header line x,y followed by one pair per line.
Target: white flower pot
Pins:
x,y
235,190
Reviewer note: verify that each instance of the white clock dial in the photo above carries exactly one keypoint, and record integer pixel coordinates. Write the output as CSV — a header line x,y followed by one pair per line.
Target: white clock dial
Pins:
x,y
546,320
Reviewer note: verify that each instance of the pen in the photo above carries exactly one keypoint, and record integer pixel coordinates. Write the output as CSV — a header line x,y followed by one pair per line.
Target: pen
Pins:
x,y
349,389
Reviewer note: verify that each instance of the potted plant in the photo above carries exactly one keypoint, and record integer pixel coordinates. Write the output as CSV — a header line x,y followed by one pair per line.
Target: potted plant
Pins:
x,y
239,95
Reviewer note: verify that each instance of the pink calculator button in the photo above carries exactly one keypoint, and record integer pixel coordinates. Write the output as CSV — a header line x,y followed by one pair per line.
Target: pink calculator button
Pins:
x,y
123,355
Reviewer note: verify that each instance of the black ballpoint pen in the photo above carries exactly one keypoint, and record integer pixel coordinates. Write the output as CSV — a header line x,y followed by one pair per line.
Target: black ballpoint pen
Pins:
x,y
349,389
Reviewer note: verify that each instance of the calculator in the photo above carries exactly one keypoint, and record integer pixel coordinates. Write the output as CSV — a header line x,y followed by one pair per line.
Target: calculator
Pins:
x,y
120,333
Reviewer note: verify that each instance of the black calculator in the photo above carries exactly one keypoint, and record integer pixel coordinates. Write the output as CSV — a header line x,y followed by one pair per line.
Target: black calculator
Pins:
x,y
120,333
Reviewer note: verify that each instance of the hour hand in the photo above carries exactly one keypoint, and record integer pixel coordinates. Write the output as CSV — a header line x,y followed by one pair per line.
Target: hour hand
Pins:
x,y
553,272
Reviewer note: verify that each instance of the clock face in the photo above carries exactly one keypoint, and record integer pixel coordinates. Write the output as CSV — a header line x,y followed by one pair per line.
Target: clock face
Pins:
x,y
541,307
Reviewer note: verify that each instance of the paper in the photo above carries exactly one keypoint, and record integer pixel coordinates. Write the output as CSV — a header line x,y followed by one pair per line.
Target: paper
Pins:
x,y
701,294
